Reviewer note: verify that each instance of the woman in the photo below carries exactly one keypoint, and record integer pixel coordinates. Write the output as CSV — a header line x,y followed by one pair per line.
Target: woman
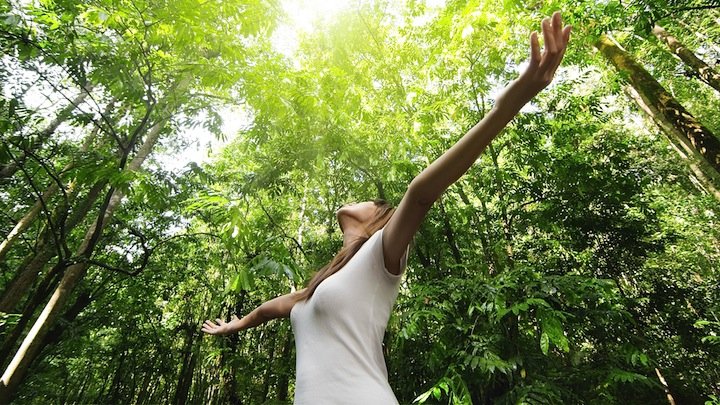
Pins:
x,y
339,321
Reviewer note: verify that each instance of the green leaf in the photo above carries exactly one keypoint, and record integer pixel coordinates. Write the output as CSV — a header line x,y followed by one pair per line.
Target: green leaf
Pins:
x,y
544,343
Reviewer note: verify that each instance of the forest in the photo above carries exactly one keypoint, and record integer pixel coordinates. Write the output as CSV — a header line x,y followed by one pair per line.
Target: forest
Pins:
x,y
167,162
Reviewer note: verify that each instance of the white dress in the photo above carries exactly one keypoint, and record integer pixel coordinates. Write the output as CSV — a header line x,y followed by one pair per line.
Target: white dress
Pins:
x,y
339,333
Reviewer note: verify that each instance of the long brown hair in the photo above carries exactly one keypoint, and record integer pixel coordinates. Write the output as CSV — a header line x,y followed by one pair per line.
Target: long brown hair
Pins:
x,y
382,215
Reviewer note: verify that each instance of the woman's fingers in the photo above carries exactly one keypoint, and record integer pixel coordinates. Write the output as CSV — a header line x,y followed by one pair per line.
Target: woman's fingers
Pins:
x,y
557,28
544,62
556,38
565,37
548,37
210,327
535,55
566,34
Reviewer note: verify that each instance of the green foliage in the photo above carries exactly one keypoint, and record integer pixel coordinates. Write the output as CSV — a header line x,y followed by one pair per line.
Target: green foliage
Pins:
x,y
572,264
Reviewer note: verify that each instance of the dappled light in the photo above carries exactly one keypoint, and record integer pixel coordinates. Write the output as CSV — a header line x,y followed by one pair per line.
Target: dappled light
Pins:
x,y
529,206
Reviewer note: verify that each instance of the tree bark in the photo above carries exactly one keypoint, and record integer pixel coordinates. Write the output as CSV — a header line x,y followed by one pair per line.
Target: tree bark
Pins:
x,y
32,266
285,370
703,173
701,69
33,212
668,394
30,347
187,369
695,136
48,284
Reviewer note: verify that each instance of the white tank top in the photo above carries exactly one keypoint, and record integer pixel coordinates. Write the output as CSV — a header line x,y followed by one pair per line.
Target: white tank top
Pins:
x,y
339,333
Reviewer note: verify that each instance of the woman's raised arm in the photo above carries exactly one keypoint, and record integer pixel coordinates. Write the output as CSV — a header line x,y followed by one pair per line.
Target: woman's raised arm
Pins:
x,y
279,307
427,187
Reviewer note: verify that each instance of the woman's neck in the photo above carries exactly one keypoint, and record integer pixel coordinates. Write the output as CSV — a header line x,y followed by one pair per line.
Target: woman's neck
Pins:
x,y
353,232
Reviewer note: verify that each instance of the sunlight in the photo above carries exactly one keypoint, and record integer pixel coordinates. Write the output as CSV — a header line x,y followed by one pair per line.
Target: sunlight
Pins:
x,y
302,16
306,14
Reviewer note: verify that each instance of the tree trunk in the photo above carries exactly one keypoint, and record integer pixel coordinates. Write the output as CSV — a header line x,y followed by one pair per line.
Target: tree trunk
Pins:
x,y
112,394
698,166
83,300
48,284
694,135
188,366
30,347
668,394
500,189
33,212
77,397
144,388
9,169
25,221
228,374
285,370
31,268
699,67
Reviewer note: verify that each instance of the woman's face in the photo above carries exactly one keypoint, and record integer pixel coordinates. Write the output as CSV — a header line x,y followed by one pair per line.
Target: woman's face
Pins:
x,y
355,213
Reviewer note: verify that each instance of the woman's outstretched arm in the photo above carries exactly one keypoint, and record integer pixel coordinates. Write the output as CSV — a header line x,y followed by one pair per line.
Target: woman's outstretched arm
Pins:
x,y
279,307
427,187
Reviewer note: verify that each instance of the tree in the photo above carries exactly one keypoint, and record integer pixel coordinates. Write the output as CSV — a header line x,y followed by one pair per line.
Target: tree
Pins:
x,y
696,137
701,69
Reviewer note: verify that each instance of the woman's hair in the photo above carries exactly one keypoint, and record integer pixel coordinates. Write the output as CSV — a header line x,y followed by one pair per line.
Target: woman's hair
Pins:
x,y
379,219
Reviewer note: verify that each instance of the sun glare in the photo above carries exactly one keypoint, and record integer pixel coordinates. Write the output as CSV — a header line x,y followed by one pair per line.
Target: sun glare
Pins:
x,y
303,16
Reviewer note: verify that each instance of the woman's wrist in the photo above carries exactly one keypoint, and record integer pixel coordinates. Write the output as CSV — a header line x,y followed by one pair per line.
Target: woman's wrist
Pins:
x,y
518,93
235,325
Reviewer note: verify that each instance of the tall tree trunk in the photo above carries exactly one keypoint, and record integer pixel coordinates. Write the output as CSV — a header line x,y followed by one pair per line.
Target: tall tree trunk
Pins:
x,y
144,388
698,66
11,168
33,212
25,221
286,368
187,368
32,266
85,384
500,189
46,286
228,369
664,383
695,136
28,271
83,300
112,394
30,347
697,165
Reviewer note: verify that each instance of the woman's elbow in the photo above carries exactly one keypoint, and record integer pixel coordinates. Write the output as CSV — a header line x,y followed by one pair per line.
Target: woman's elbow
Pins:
x,y
265,312
421,191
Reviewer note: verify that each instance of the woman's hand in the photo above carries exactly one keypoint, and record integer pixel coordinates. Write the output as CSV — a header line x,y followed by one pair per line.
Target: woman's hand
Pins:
x,y
221,328
427,187
542,66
